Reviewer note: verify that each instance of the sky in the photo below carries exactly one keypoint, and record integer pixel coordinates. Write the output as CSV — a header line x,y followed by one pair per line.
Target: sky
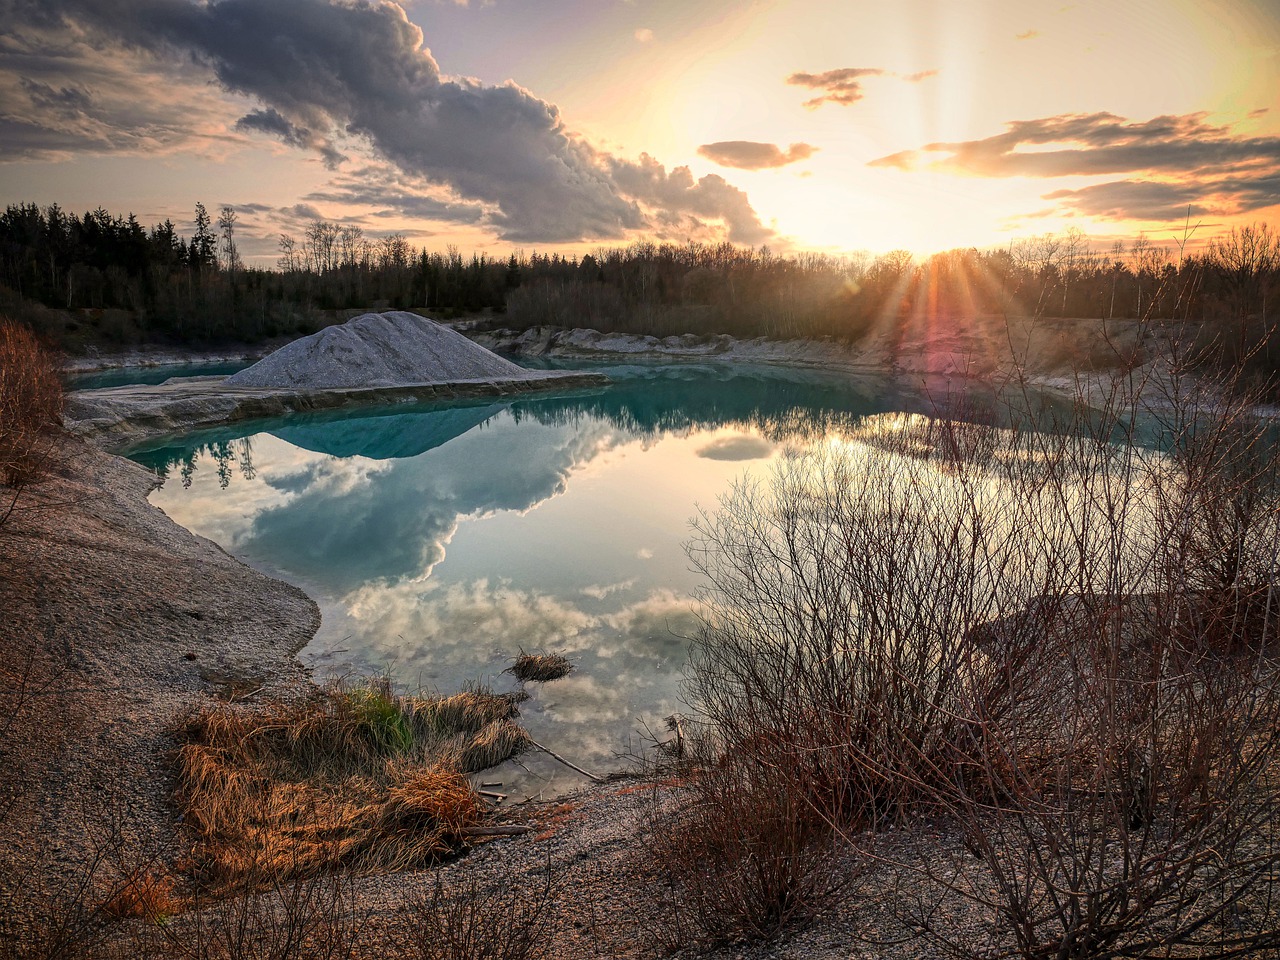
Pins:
x,y
567,125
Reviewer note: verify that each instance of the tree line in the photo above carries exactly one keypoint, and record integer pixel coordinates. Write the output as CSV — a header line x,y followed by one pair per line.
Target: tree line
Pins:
x,y
155,284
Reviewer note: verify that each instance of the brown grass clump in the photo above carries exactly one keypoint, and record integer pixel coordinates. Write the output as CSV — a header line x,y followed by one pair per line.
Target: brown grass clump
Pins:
x,y
355,778
540,667
144,895
30,409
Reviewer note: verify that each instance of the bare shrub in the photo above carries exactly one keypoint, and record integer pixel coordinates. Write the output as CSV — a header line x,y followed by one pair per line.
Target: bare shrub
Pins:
x,y
515,921
30,410
1151,827
740,853
316,918
1061,643
839,621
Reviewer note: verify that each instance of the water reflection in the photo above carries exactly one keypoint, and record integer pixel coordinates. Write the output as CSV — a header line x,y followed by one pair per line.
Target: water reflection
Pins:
x,y
439,541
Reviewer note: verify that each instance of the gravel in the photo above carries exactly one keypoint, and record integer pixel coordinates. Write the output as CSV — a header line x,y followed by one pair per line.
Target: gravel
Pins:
x,y
379,350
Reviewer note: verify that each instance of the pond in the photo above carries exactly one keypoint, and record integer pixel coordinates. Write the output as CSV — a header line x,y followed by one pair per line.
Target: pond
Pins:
x,y
440,541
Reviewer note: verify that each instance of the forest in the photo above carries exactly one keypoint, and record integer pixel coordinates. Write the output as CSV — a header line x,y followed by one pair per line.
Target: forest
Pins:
x,y
105,279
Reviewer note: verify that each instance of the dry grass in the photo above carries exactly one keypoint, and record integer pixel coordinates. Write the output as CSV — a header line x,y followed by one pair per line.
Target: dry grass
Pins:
x,y
540,667
356,778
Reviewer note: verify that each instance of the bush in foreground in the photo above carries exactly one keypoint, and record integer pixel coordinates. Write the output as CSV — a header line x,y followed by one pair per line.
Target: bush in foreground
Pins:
x,y
1061,643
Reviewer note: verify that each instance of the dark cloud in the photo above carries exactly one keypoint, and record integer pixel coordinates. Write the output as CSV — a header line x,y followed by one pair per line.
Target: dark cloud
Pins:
x,y
325,69
405,204
749,155
273,122
842,87
66,99
301,211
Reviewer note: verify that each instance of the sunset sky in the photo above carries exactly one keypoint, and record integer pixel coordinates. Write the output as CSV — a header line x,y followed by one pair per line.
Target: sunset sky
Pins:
x,y
569,124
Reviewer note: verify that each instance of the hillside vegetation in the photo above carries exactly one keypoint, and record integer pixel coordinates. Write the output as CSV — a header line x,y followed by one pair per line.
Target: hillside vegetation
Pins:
x,y
102,278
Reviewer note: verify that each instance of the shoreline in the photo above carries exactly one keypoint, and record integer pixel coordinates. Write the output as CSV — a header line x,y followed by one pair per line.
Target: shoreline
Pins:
x,y
122,416
142,620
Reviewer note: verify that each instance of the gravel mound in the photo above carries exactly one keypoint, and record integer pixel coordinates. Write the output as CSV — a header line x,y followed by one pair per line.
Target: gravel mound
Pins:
x,y
378,350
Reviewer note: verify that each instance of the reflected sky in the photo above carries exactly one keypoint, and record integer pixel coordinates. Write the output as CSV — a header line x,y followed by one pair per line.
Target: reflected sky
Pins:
x,y
441,540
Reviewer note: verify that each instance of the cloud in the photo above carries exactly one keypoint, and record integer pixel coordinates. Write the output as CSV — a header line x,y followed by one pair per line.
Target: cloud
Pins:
x,y
686,206
842,87
1095,143
644,35
61,94
1168,163
749,155
601,591
1027,35
273,123
405,201
1157,200
324,70
736,448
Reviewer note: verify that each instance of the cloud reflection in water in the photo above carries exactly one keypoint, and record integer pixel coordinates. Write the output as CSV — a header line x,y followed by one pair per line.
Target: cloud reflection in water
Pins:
x,y
440,542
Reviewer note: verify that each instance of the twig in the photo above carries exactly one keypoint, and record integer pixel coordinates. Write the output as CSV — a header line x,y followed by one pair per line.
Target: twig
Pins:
x,y
508,830
572,766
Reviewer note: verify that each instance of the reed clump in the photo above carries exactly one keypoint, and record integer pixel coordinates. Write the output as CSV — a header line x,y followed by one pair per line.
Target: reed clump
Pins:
x,y
355,778
540,667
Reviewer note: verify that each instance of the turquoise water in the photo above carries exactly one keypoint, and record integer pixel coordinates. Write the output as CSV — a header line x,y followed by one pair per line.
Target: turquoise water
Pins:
x,y
440,541
127,376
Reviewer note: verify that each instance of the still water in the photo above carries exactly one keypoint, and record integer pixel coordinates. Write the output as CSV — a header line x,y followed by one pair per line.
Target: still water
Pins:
x,y
440,541
126,376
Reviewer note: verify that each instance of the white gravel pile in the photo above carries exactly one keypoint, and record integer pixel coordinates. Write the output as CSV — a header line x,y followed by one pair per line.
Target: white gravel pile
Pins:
x,y
379,350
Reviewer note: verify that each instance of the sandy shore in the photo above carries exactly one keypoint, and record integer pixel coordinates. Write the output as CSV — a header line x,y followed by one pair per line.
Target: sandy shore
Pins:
x,y
116,622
